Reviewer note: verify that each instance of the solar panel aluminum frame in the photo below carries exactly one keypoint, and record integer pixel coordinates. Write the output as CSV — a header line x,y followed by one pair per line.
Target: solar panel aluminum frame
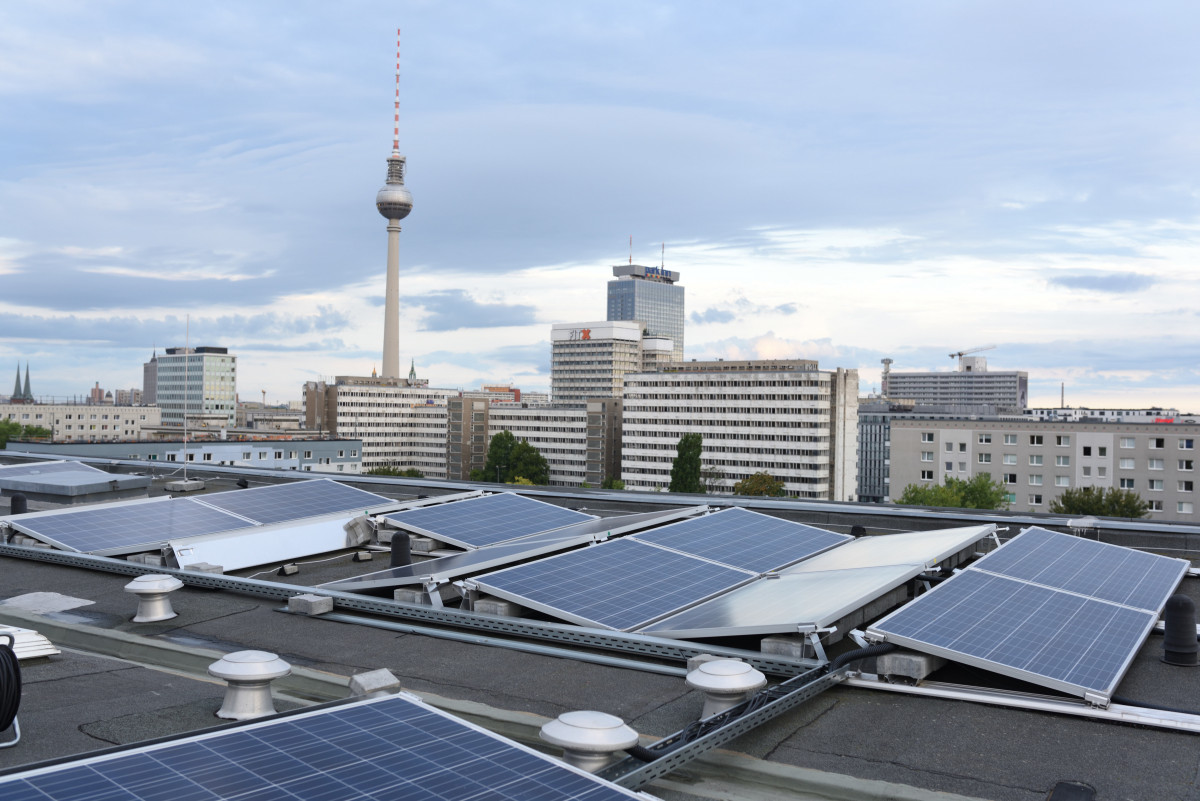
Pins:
x,y
17,523
876,633
477,561
261,545
457,543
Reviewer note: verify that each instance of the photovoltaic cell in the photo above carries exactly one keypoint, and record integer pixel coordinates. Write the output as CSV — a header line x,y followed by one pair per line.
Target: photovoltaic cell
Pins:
x,y
279,503
620,584
477,522
1094,569
127,527
392,748
1023,630
745,539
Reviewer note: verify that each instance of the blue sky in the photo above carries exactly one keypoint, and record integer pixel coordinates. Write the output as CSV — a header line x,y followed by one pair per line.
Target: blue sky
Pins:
x,y
839,181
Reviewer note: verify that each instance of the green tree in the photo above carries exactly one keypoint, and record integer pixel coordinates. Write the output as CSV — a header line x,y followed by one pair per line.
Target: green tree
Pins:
x,y
498,458
1099,501
410,472
11,429
979,492
522,481
685,472
612,483
526,462
761,483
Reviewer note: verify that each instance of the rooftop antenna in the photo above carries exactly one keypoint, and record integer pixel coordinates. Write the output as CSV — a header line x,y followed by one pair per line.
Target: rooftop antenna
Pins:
x,y
631,249
662,265
187,347
396,114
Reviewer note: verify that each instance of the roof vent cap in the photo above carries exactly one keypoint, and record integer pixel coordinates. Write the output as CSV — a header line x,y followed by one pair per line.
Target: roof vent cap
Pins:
x,y
249,675
153,603
725,684
588,739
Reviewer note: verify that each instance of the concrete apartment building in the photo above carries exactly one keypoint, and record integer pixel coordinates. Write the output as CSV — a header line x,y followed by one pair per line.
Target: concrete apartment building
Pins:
x,y
315,456
199,381
401,422
591,360
1037,460
972,384
579,444
78,422
783,416
1154,414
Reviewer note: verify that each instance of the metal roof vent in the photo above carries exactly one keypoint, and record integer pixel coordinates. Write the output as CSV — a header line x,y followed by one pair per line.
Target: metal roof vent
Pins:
x,y
725,683
589,739
153,603
249,675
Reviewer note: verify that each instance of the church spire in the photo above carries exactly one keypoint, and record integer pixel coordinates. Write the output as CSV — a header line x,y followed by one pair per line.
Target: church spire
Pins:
x,y
27,395
16,395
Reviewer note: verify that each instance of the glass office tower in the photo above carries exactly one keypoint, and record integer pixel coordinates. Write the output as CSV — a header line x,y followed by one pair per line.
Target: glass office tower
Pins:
x,y
651,295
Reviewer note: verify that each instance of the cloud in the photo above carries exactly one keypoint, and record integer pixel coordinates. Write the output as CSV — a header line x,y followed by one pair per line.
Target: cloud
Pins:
x,y
740,309
452,309
1117,283
712,316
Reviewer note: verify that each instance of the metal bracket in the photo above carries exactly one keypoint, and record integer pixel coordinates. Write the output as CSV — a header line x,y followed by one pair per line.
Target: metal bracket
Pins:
x,y
813,635
435,595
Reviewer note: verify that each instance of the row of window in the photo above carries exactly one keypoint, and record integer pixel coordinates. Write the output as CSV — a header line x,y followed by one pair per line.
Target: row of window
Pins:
x,y
1064,440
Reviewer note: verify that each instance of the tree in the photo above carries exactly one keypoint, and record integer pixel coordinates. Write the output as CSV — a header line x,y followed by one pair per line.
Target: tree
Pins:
x,y
1099,501
498,461
11,429
685,472
711,478
526,462
612,483
979,492
410,472
761,483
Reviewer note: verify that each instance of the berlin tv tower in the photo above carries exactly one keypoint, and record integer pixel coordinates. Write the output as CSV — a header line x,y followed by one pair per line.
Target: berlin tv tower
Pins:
x,y
394,203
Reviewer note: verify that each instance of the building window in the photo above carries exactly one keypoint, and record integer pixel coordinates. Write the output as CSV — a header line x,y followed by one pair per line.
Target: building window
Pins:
x,y
1010,478
307,455
353,454
926,436
1154,506
985,439
927,475
1126,442
1087,471
1087,450
1010,439
926,456
1035,499
962,467
1011,497
1010,458
1126,483
1125,464
1035,459
1186,464
962,447
1035,439
208,457
949,447
1157,443
1062,481
1062,461
1035,480
1154,464
1102,450
1062,440
1156,485
1185,486
949,466
1184,444
1183,507
1102,471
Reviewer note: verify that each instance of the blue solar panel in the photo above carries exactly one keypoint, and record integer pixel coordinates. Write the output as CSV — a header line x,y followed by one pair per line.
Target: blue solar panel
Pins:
x,y
476,522
127,527
620,584
745,539
389,749
1031,632
1094,569
278,503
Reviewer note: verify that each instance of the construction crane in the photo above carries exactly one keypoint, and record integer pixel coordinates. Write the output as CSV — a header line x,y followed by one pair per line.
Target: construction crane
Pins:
x,y
962,353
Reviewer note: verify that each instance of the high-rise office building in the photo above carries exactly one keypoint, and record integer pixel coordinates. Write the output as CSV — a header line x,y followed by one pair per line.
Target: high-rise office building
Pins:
x,y
970,385
200,383
150,380
590,360
651,295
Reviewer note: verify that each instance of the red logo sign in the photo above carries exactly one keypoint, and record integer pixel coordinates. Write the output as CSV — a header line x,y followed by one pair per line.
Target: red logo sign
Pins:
x,y
586,333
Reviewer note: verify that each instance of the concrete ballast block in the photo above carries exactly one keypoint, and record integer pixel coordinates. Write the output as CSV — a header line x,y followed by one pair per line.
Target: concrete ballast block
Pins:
x,y
374,683
153,559
310,604
423,544
907,663
789,645
411,595
204,567
497,606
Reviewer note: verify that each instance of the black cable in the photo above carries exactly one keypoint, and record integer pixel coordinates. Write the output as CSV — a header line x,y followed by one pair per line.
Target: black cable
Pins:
x,y
1117,699
10,687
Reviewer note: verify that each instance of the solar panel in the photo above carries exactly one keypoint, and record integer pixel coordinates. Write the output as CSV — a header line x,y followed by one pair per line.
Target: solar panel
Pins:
x,y
278,503
491,519
1049,637
391,748
923,548
45,468
126,528
621,584
1095,569
745,539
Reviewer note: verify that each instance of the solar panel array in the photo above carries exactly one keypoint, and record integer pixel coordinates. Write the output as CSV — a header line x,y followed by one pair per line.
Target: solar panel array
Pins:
x,y
1043,608
478,522
278,503
117,528
394,748
621,584
741,538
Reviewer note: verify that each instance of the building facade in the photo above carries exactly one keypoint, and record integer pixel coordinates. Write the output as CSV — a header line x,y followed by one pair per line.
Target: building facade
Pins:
x,y
79,422
1155,414
198,382
785,417
1037,460
316,456
150,379
972,384
651,296
401,422
590,360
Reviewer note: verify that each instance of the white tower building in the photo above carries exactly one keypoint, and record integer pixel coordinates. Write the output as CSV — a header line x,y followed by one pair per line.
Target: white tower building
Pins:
x,y
394,203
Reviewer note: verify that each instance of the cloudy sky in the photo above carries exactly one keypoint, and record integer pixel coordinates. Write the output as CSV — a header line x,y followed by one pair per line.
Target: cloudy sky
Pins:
x,y
839,181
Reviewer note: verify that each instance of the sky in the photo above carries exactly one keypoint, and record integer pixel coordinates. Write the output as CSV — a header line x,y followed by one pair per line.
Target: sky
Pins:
x,y
835,181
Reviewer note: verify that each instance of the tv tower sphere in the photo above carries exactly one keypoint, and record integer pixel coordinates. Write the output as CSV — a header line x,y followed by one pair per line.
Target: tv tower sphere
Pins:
x,y
394,201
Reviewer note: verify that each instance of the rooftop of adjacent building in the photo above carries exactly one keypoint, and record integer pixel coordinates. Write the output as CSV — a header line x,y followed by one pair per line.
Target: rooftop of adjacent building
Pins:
x,y
644,273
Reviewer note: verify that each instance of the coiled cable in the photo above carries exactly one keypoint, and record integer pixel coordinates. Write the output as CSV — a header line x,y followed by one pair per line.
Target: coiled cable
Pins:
x,y
10,685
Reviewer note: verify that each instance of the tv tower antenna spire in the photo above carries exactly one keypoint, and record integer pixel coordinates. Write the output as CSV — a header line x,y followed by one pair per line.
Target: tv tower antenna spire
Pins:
x,y
394,202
